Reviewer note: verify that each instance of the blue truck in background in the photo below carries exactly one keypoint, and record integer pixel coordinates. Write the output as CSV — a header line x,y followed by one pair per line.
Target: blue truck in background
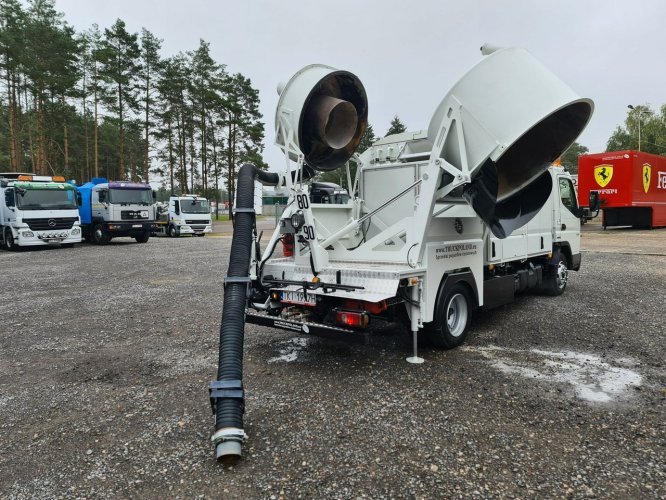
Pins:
x,y
111,209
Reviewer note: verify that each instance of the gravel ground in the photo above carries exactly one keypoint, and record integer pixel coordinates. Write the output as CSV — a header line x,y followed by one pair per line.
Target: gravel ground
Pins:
x,y
106,354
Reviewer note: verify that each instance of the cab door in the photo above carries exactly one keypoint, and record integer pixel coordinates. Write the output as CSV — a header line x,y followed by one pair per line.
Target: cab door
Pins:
x,y
567,222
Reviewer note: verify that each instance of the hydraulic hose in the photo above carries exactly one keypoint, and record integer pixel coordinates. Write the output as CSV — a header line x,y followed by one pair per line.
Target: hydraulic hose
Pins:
x,y
227,392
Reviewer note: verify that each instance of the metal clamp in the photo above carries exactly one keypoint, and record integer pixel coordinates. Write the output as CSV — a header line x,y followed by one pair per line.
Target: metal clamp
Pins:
x,y
228,434
237,279
244,210
228,389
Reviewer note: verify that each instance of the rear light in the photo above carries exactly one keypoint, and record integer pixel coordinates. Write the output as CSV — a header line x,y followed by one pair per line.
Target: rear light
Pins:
x,y
288,245
353,319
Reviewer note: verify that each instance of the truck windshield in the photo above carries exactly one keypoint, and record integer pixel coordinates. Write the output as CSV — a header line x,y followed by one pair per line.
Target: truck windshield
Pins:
x,y
131,196
195,206
45,199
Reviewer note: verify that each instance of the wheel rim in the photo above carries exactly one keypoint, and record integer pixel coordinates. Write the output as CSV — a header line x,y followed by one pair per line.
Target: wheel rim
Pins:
x,y
98,234
456,315
9,239
562,275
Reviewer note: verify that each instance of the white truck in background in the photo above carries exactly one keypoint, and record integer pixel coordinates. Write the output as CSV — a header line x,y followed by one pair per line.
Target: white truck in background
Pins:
x,y
189,214
37,210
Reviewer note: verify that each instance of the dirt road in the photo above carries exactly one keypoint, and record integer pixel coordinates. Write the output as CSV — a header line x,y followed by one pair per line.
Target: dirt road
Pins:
x,y
106,354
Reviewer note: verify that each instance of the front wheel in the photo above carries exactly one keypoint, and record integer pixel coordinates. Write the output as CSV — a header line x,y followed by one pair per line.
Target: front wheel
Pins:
x,y
452,318
143,237
173,232
100,236
8,242
555,281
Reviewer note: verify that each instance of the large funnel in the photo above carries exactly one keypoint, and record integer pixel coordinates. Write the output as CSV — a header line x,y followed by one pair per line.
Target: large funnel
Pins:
x,y
516,118
327,110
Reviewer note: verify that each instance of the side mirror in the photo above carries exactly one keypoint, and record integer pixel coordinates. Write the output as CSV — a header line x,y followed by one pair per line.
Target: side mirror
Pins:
x,y
594,201
176,208
154,196
102,196
79,200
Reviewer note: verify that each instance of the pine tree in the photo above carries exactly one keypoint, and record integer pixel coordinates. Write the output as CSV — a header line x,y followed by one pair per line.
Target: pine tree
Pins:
x,y
150,67
120,59
397,127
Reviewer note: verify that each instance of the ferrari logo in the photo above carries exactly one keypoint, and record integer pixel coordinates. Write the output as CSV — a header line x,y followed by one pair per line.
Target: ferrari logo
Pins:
x,y
603,174
647,175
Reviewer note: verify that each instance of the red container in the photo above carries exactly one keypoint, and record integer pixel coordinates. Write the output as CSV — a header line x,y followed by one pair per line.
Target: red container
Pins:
x,y
631,186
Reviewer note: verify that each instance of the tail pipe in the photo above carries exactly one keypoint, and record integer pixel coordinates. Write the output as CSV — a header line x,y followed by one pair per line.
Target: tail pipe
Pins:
x,y
226,393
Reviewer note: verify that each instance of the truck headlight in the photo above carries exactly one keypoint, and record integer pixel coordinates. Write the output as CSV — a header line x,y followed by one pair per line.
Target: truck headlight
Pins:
x,y
27,234
76,230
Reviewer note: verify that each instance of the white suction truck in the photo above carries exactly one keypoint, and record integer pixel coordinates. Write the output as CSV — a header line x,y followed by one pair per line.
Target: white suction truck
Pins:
x,y
440,222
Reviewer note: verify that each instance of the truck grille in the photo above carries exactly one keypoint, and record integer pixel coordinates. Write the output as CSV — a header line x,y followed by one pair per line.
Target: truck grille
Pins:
x,y
51,223
196,222
131,215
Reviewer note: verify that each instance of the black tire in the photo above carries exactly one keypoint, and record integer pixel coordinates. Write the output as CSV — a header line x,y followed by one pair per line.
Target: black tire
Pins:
x,y
173,232
555,281
453,315
8,242
143,238
100,236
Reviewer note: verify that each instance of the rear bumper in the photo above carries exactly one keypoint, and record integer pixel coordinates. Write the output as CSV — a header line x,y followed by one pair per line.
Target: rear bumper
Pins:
x,y
316,329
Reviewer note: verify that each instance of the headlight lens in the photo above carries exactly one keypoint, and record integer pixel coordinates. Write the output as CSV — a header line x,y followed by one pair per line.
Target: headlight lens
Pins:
x,y
76,230
27,234
297,220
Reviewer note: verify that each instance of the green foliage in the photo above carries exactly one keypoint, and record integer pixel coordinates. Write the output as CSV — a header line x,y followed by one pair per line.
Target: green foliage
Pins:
x,y
569,158
105,103
397,127
652,126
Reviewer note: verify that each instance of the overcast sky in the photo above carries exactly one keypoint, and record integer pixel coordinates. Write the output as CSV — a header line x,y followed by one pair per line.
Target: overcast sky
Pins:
x,y
408,54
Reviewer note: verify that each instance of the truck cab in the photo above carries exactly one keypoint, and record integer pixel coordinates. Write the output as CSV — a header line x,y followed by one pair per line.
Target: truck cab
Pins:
x,y
116,209
37,211
185,215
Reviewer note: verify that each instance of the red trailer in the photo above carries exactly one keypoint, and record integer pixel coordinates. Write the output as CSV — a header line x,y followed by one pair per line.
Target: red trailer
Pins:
x,y
631,187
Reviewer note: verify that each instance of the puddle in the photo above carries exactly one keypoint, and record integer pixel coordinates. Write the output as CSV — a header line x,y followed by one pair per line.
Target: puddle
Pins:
x,y
592,378
290,350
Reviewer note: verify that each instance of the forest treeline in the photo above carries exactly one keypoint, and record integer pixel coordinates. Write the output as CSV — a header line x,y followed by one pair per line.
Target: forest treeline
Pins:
x,y
105,103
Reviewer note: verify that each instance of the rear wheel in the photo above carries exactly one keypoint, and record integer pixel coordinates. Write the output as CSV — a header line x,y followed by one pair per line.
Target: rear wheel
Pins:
x,y
452,318
556,280
8,242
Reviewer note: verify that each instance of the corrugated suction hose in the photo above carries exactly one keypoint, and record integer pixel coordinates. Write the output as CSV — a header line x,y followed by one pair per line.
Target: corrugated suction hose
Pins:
x,y
227,392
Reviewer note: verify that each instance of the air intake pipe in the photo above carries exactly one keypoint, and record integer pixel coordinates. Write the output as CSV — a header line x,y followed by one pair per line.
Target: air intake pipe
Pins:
x,y
226,392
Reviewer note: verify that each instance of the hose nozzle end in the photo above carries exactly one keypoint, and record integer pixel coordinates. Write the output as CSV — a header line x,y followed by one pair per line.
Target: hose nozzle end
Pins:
x,y
228,445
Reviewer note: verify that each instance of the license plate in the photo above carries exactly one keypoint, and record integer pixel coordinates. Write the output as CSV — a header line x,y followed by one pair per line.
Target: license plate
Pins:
x,y
137,225
291,297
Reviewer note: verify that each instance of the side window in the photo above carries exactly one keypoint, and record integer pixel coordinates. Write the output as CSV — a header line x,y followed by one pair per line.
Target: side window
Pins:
x,y
9,198
176,207
568,195
102,196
